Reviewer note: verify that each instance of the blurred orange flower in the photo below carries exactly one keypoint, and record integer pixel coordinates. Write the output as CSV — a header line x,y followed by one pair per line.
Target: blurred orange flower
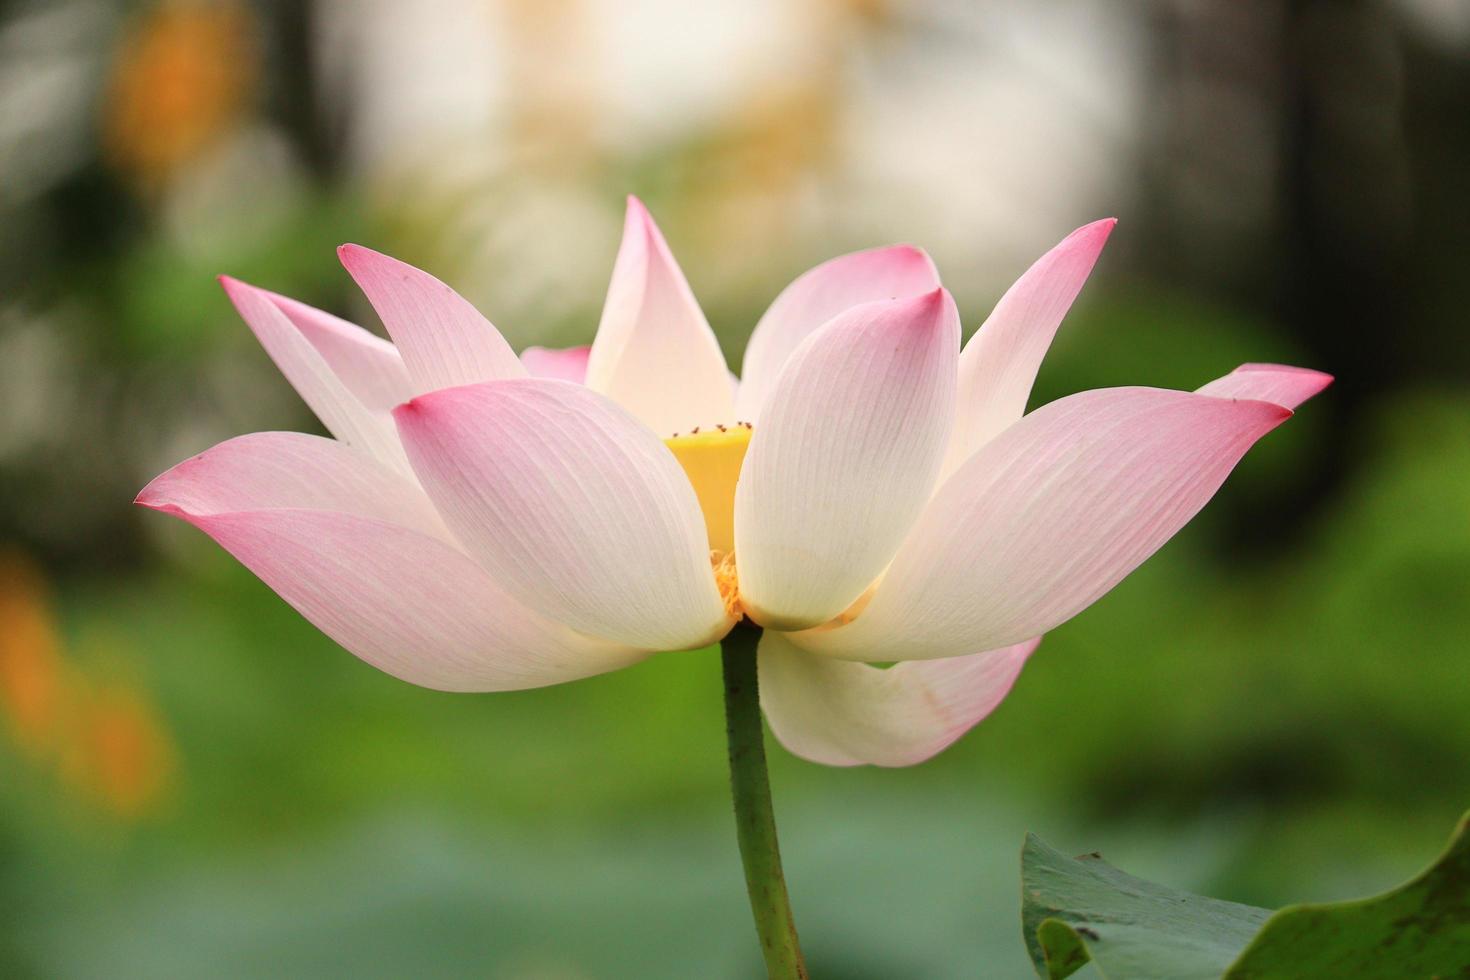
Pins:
x,y
30,658
122,756
182,78
106,739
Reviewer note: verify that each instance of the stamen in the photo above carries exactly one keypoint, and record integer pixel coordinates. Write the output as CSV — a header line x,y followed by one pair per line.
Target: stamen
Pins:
x,y
723,563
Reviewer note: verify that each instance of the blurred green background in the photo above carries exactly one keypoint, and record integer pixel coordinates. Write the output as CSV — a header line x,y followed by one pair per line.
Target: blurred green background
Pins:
x,y
193,782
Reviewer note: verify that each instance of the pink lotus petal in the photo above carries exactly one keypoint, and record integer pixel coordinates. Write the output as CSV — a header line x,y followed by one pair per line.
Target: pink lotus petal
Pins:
x,y
1275,383
844,457
851,714
566,364
999,364
341,412
443,339
367,364
357,549
816,296
577,510
275,470
1046,518
655,353
407,603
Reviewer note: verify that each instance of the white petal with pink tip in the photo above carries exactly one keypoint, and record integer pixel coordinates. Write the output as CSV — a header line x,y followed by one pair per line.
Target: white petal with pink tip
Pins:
x,y
1047,517
443,339
358,551
367,364
1275,383
816,296
271,470
844,457
848,714
655,353
566,364
573,507
407,603
999,364
341,412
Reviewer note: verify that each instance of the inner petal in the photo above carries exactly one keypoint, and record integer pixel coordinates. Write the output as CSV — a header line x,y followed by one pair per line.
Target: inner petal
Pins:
x,y
711,457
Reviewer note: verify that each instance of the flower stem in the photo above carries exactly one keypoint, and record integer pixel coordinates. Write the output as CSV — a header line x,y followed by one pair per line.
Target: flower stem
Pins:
x,y
755,822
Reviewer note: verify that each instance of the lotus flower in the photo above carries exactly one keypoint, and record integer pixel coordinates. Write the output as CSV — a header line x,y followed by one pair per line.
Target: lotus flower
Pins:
x,y
866,492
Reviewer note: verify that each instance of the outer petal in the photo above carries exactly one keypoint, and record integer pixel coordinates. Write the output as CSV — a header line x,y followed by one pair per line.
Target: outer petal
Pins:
x,y
367,364
1047,517
273,470
850,714
1000,362
655,353
576,509
443,339
341,412
408,604
395,593
566,364
816,296
1275,383
844,458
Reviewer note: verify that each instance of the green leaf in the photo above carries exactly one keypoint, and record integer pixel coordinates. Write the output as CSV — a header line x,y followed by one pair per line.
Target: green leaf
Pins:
x,y
1420,929
1080,909
1076,909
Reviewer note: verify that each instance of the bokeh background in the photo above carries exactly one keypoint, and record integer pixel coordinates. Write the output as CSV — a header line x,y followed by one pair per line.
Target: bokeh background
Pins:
x,y
195,783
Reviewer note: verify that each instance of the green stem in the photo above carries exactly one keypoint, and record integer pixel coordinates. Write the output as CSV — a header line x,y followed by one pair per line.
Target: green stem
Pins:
x,y
755,823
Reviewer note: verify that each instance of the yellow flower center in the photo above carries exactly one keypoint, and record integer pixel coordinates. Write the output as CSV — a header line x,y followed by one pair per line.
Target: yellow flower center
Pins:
x,y
711,457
